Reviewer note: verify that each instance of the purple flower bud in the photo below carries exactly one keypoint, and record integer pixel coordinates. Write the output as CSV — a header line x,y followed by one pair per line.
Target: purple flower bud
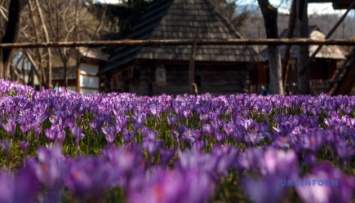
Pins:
x,y
149,134
24,145
207,128
77,133
5,145
121,122
138,120
127,136
151,146
110,133
171,120
55,133
10,127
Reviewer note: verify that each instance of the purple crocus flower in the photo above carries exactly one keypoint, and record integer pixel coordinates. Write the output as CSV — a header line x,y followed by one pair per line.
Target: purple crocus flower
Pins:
x,y
197,160
110,133
173,187
264,189
88,178
171,120
49,168
128,165
24,146
78,134
151,146
344,150
191,135
127,135
312,140
207,129
5,145
149,140
249,159
282,142
153,109
26,186
41,117
253,138
280,163
247,124
166,155
226,157
121,122
21,188
123,159
138,120
229,128
149,134
10,126
70,123
6,188
339,189
199,145
51,133
93,125
55,133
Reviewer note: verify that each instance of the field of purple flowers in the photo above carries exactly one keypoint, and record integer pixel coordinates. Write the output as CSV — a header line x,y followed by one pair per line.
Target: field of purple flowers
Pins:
x,y
64,147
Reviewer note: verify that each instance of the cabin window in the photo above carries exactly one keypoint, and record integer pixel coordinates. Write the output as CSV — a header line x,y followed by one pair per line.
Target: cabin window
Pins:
x,y
160,75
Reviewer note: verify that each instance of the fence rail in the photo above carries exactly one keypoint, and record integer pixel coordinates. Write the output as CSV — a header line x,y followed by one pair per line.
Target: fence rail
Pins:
x,y
179,42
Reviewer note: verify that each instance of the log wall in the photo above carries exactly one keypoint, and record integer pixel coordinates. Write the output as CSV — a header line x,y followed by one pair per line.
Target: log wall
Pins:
x,y
213,79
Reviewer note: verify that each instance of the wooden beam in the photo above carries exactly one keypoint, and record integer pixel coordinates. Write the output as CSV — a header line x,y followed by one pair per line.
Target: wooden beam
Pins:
x,y
193,87
303,60
183,42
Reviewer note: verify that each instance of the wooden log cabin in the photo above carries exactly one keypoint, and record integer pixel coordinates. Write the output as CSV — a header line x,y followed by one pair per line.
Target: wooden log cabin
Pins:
x,y
165,69
322,67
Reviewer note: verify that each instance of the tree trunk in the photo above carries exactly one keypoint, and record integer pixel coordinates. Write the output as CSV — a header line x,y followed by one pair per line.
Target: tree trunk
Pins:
x,y
291,27
45,31
270,20
303,50
10,36
32,10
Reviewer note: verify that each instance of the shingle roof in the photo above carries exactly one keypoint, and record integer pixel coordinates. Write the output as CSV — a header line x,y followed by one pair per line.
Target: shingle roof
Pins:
x,y
179,19
92,53
328,52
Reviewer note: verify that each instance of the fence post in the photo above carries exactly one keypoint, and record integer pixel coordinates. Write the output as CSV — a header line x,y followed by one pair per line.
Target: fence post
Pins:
x,y
192,84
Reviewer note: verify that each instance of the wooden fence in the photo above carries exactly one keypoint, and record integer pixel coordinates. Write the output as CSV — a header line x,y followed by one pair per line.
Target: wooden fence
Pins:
x,y
176,42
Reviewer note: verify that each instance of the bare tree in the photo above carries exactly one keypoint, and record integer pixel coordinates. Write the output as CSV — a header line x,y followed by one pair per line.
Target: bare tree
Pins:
x,y
47,39
36,31
62,18
227,8
10,35
269,13
47,21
